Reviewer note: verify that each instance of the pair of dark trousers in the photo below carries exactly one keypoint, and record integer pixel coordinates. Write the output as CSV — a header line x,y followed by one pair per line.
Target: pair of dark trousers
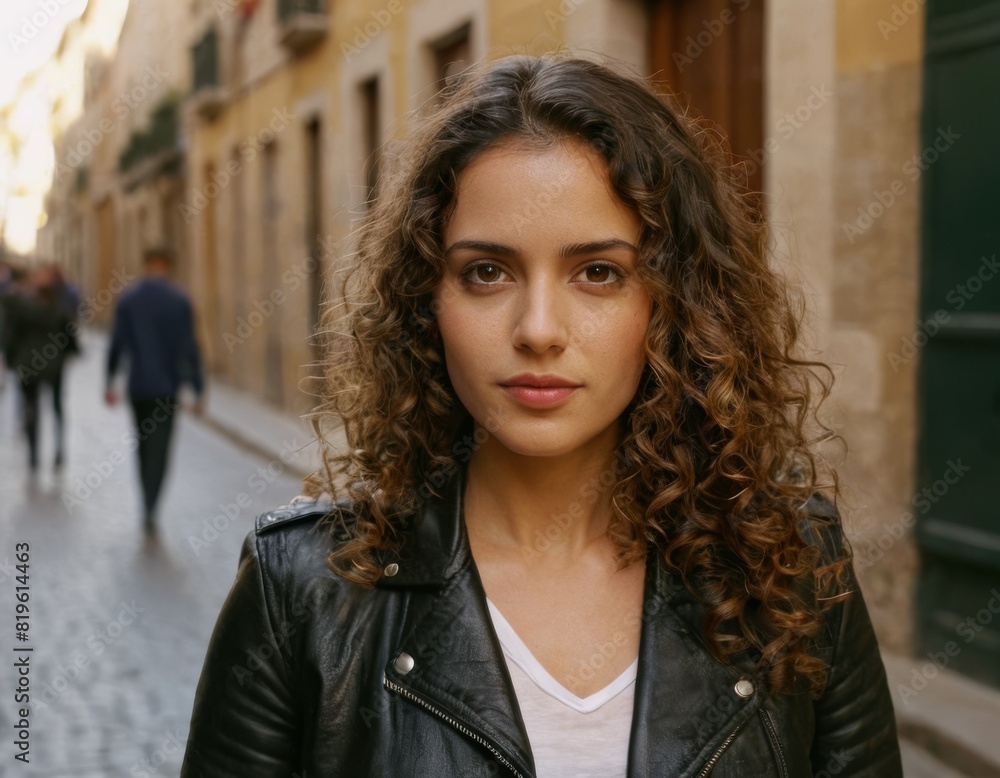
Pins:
x,y
30,408
154,423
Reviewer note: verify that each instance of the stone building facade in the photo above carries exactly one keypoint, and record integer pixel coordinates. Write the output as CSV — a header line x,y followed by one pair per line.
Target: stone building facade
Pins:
x,y
871,288
117,168
44,113
281,108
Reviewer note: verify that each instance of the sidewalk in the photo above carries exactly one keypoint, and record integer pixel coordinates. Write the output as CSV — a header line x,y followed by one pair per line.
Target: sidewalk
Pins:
x,y
262,429
257,427
950,717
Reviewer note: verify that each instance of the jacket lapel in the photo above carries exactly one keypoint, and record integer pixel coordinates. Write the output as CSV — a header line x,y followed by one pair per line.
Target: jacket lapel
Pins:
x,y
458,665
686,703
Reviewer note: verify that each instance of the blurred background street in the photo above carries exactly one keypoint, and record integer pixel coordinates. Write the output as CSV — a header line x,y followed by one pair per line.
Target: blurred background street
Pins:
x,y
120,621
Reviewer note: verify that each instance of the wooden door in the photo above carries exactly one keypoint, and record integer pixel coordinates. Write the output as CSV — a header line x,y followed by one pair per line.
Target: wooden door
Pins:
x,y
710,54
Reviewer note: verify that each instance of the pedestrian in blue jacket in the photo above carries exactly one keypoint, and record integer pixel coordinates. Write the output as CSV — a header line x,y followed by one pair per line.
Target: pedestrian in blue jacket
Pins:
x,y
154,328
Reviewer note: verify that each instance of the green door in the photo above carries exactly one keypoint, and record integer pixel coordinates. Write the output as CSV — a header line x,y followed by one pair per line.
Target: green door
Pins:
x,y
958,341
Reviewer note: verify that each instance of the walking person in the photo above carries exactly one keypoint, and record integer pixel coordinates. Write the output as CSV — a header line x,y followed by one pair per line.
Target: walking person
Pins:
x,y
579,527
6,289
154,330
11,287
38,338
67,294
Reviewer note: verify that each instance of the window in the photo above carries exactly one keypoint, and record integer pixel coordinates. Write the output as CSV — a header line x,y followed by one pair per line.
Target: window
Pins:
x,y
237,247
270,259
452,55
210,269
314,220
371,135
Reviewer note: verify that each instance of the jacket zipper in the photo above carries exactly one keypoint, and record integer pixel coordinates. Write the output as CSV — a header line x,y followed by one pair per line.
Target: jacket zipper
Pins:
x,y
457,725
773,735
718,753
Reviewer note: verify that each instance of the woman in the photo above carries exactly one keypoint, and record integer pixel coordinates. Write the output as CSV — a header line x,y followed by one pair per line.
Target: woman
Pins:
x,y
578,530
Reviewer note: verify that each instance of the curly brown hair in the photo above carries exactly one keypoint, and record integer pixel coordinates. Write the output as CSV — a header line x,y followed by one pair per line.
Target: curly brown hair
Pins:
x,y
715,464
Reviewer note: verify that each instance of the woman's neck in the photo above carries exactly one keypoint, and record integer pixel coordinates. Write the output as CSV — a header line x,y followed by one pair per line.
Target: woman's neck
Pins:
x,y
542,507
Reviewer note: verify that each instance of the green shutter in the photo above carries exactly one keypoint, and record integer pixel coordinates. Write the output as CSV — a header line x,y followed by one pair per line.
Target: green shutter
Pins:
x,y
958,340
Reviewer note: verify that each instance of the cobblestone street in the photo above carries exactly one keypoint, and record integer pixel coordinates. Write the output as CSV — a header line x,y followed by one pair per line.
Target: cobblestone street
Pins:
x,y
119,623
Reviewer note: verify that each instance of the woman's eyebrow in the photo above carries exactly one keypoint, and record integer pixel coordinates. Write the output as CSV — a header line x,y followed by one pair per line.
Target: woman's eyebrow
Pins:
x,y
481,245
570,250
595,246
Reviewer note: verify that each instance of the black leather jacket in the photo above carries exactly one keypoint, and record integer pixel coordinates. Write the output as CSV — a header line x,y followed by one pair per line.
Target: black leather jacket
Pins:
x,y
309,676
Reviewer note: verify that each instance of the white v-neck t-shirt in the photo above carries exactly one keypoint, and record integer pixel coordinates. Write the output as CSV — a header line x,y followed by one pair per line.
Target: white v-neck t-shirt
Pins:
x,y
570,736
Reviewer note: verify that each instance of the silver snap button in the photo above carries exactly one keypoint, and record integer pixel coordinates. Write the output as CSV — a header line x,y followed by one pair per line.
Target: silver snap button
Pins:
x,y
744,687
391,569
404,663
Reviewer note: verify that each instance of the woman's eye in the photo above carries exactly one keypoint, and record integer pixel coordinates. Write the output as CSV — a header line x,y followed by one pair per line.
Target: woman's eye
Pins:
x,y
485,273
601,274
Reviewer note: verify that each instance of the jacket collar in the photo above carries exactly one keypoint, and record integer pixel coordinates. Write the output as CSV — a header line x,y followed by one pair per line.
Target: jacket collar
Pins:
x,y
458,668
687,705
434,546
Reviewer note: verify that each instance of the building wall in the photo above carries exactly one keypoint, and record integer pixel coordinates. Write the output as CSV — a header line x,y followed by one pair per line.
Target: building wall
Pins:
x,y
152,65
842,119
100,220
874,291
61,83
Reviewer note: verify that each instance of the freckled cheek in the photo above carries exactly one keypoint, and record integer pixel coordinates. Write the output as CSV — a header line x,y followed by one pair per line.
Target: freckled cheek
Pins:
x,y
622,351
467,337
448,309
620,341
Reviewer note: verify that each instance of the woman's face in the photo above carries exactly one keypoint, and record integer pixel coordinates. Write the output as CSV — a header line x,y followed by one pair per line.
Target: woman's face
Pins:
x,y
540,310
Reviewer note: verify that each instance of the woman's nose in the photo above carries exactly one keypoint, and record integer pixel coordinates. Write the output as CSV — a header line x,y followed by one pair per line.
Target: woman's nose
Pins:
x,y
541,318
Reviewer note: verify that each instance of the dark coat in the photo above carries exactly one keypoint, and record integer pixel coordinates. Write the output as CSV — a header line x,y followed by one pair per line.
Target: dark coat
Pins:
x,y
38,338
154,328
310,675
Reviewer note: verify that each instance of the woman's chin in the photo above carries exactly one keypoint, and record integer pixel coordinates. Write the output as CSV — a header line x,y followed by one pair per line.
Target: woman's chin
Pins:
x,y
541,444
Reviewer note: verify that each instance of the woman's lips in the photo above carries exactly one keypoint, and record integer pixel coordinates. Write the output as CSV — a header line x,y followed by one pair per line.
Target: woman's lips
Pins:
x,y
539,396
